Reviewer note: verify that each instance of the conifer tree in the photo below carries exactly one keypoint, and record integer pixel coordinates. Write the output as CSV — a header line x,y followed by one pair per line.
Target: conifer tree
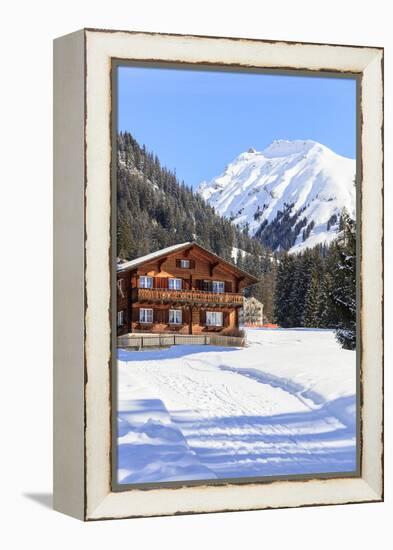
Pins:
x,y
301,281
312,301
344,287
283,291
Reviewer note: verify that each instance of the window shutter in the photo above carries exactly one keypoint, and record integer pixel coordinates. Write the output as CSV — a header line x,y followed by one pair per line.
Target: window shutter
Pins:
x,y
226,319
202,317
161,282
165,318
177,262
185,316
199,284
228,286
192,264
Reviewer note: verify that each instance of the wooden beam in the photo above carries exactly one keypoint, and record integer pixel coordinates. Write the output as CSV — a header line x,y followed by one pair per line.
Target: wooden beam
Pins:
x,y
212,266
238,281
160,262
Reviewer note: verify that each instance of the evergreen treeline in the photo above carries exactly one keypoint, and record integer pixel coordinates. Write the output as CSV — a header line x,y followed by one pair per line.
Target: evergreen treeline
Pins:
x,y
317,288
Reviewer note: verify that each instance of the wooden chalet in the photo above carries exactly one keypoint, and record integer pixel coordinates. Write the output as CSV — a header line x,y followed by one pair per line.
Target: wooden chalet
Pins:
x,y
182,289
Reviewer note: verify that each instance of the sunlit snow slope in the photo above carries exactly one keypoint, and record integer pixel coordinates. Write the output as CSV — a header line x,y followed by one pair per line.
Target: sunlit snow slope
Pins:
x,y
301,186
283,405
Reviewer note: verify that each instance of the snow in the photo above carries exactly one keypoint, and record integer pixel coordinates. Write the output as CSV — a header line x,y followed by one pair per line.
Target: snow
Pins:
x,y
235,252
284,405
301,172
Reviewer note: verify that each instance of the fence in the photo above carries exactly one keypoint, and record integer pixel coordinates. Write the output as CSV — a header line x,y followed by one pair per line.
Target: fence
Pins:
x,y
140,341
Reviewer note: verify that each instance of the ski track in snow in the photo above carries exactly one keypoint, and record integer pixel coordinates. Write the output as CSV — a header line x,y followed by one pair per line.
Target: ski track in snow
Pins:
x,y
201,414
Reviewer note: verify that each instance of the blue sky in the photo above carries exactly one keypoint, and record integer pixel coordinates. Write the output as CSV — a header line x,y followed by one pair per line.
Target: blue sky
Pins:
x,y
198,121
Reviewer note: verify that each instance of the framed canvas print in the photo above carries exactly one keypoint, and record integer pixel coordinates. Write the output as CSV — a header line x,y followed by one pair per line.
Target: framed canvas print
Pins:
x,y
218,274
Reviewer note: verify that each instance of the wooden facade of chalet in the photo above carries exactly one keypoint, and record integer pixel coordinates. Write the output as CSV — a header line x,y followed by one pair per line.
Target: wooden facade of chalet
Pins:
x,y
182,289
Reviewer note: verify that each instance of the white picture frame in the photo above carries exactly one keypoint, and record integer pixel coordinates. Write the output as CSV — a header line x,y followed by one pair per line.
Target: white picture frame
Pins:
x,y
83,279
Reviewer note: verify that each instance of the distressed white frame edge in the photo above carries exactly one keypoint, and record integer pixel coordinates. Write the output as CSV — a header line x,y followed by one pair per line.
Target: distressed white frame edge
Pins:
x,y
99,501
69,275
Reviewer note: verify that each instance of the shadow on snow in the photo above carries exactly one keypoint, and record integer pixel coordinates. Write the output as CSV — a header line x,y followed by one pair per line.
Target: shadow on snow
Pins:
x,y
186,448
174,352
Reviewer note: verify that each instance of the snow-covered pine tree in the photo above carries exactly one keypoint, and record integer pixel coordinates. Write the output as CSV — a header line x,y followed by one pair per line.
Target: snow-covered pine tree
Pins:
x,y
344,282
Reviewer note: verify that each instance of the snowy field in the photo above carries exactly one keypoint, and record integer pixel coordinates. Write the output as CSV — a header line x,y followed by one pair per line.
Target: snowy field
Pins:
x,y
284,405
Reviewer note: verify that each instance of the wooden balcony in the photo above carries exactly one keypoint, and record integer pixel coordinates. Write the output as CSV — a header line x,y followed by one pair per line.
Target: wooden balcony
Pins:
x,y
186,297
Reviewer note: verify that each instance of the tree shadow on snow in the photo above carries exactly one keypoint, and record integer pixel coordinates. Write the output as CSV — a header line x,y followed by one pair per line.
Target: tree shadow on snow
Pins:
x,y
297,443
180,447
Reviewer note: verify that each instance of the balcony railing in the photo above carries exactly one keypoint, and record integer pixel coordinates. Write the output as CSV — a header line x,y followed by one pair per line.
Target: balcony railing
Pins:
x,y
189,297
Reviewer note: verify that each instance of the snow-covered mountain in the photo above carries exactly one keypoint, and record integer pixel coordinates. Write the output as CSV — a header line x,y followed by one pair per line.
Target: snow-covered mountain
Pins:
x,y
289,195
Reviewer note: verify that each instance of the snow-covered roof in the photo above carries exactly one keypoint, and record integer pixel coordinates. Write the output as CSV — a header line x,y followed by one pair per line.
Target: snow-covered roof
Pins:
x,y
175,248
152,256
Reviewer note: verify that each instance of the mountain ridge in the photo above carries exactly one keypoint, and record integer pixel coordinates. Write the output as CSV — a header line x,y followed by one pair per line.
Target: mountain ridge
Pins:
x,y
289,196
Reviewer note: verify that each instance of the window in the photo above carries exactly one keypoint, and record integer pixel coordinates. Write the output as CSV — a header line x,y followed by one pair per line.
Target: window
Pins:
x,y
120,318
146,315
185,264
175,316
145,282
218,286
174,284
214,318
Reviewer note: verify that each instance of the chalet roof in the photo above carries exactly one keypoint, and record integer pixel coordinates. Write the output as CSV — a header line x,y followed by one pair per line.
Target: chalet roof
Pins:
x,y
126,266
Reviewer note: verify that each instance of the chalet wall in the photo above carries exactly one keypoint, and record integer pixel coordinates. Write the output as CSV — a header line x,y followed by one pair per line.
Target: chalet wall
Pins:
x,y
202,270
161,324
